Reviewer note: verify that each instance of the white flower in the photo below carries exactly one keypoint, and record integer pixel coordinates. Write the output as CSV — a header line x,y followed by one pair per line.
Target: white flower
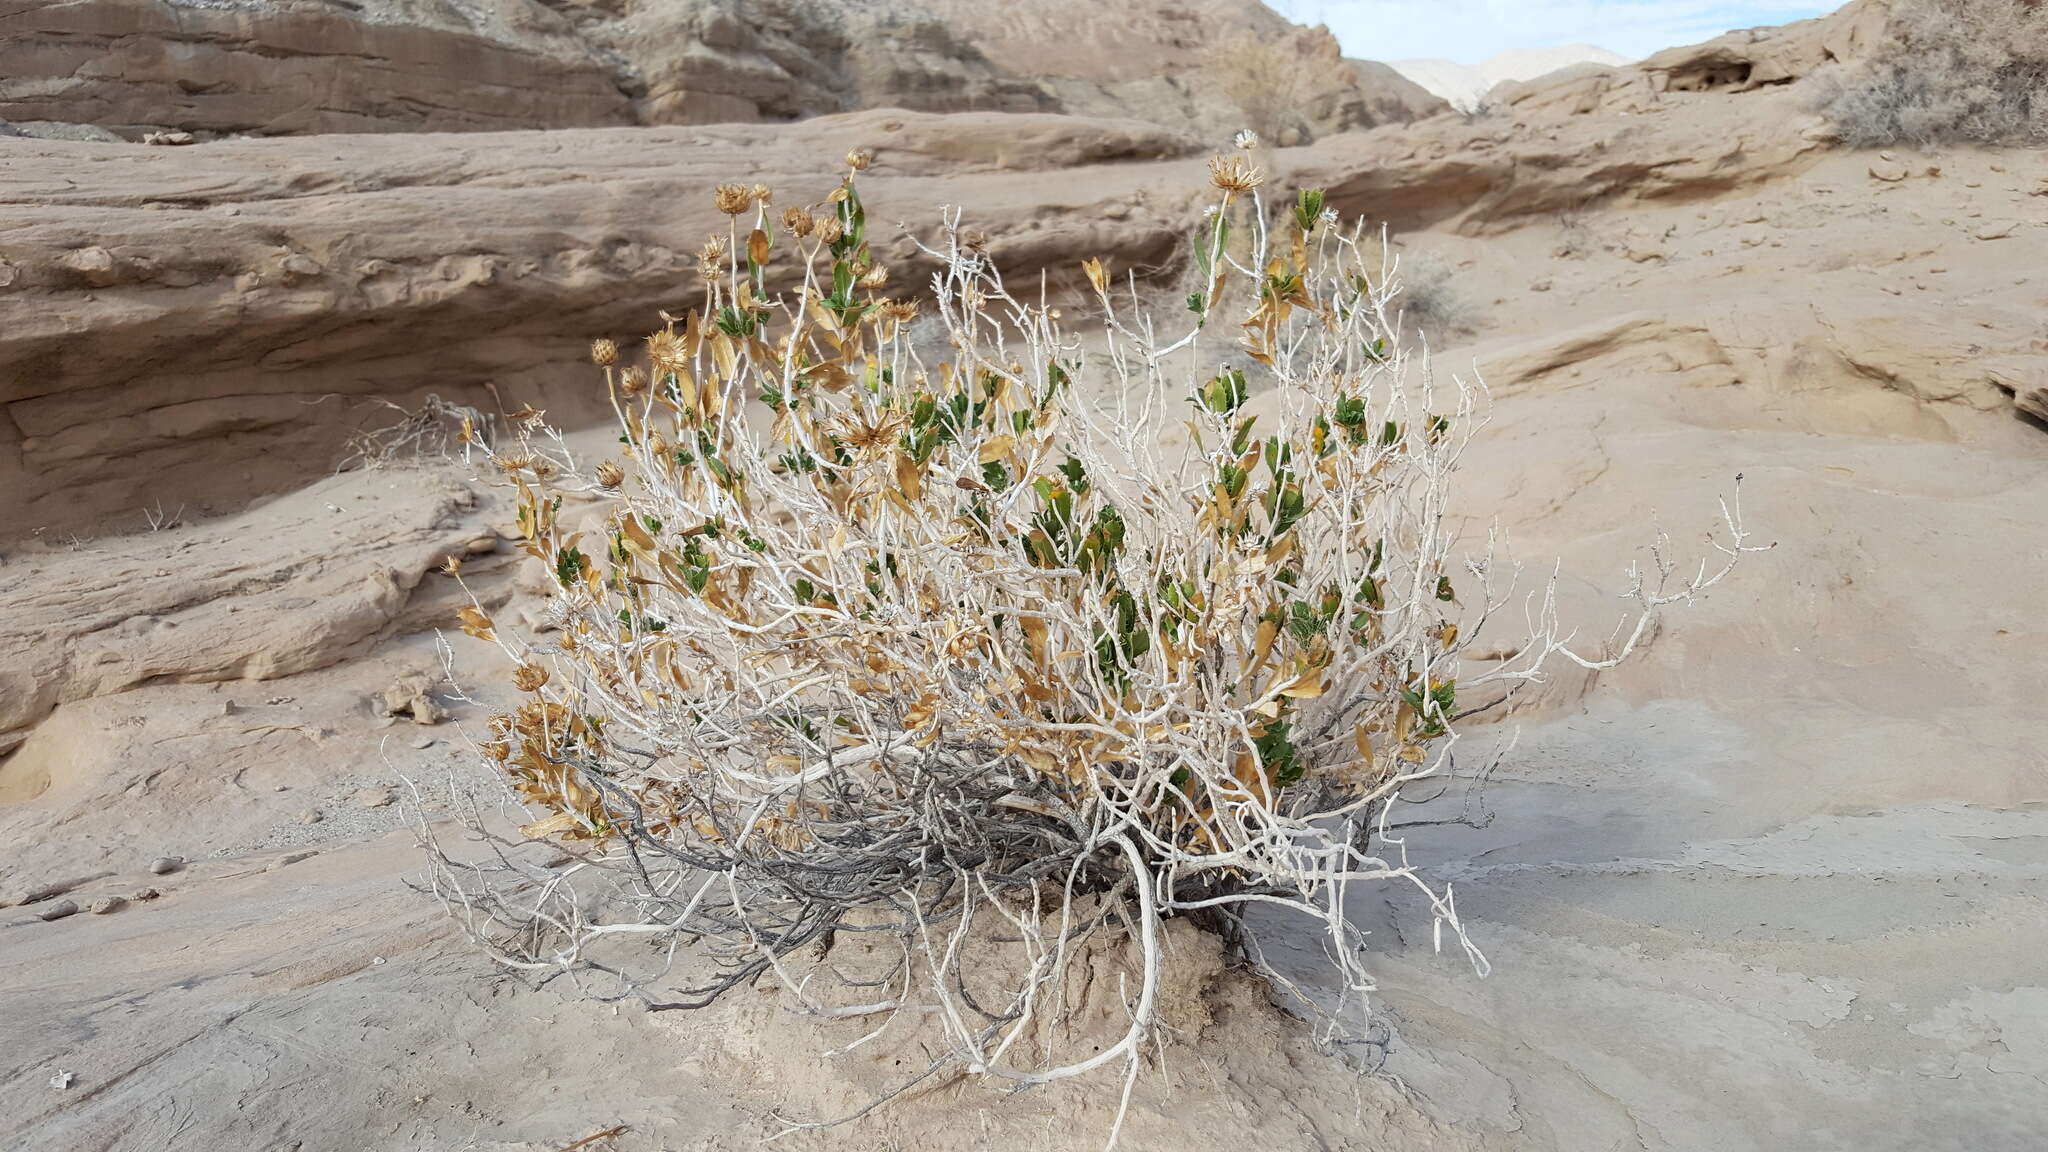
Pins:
x,y
1246,139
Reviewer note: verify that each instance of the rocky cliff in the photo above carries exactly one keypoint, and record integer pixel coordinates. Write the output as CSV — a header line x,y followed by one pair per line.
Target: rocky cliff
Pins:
x,y
289,67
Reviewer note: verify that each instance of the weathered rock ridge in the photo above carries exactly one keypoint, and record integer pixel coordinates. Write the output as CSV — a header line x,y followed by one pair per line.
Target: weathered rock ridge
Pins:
x,y
292,67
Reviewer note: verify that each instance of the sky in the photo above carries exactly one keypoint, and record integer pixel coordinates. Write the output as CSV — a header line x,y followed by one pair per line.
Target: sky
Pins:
x,y
1469,31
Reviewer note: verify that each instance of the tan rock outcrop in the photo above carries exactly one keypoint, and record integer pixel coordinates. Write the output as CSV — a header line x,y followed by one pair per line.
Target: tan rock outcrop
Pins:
x,y
294,67
289,67
202,324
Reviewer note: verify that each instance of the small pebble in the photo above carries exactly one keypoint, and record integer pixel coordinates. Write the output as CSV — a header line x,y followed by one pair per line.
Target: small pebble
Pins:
x,y
58,911
165,865
106,904
228,708
62,1080
374,798
141,894
308,816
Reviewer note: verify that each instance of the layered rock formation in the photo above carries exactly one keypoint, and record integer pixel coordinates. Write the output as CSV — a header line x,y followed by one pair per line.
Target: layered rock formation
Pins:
x,y
205,323
287,67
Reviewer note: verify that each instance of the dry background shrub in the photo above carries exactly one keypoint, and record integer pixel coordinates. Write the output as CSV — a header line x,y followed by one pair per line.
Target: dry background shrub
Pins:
x,y
1270,81
1969,70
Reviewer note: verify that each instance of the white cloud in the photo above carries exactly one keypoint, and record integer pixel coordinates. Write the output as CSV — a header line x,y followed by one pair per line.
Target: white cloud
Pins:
x,y
1469,31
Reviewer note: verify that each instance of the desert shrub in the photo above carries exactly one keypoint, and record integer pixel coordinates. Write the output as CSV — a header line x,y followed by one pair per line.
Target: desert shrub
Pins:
x,y
1271,81
1431,302
1043,642
1947,70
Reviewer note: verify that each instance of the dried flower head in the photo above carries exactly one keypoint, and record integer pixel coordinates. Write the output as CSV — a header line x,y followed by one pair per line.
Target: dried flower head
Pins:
x,y
732,199
610,475
711,259
1245,140
762,193
799,222
529,677
901,311
875,277
830,231
633,380
604,353
667,352
513,463
868,434
974,240
859,159
1234,174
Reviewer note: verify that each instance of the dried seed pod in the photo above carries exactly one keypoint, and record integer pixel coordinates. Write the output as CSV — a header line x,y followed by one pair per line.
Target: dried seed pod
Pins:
x,y
859,159
604,353
1234,174
830,231
633,380
529,677
610,475
732,199
799,222
875,277
763,194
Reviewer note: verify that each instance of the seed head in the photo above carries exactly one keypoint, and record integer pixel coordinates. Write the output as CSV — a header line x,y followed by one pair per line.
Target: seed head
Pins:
x,y
610,475
529,677
901,311
1246,140
762,193
875,277
633,380
657,443
830,231
799,222
604,353
666,350
859,159
867,435
732,199
1234,174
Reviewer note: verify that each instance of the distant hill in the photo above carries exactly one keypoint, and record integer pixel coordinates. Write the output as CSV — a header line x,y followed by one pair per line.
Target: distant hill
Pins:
x,y
1464,85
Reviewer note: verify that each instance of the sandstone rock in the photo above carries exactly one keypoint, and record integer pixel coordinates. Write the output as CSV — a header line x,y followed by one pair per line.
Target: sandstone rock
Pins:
x,y
309,816
449,262
58,911
426,711
1888,170
374,798
402,65
260,594
165,865
108,904
1754,58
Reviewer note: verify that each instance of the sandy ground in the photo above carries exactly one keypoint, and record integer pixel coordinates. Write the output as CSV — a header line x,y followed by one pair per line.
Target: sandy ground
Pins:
x,y
1775,885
